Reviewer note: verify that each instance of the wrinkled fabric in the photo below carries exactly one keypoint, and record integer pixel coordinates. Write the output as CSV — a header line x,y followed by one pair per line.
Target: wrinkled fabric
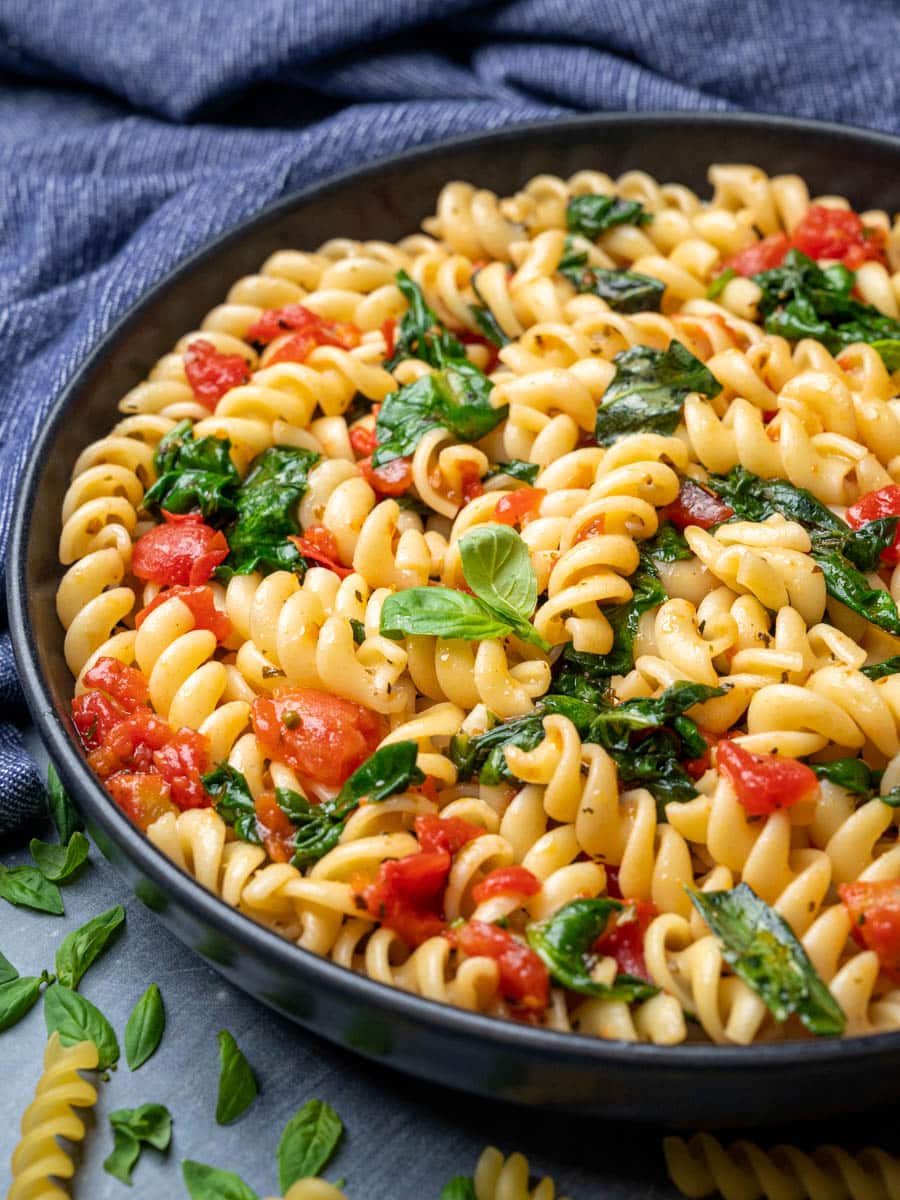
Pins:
x,y
132,133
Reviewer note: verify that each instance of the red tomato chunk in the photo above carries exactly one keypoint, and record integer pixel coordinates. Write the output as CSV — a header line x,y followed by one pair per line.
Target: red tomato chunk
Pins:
x,y
126,685
181,762
130,744
524,980
275,828
95,715
448,834
506,881
320,545
624,941
363,441
838,233
408,895
765,782
182,551
695,505
200,601
519,507
319,331
874,910
761,256
885,502
393,479
212,374
142,797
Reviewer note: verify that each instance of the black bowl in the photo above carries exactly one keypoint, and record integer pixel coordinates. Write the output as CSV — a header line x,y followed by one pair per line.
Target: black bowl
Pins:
x,y
691,1084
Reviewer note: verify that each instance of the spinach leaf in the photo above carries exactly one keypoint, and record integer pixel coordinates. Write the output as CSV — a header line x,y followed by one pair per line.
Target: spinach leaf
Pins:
x,y
439,612
497,567
624,291
720,283
27,888
150,1125
891,798
420,333
62,811
850,773
864,546
485,319
17,997
761,948
564,944
145,1028
75,1019
211,1183
889,666
515,469
237,1086
668,544
308,1142
57,863
389,770
593,215
648,391
483,754
83,946
359,631
193,473
847,584
233,801
458,1188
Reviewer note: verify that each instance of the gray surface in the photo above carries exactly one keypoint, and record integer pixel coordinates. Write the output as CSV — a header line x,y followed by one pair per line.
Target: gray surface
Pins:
x,y
404,1138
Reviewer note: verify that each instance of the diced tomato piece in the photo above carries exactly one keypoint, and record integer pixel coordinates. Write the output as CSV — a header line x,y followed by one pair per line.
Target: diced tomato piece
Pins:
x,y
506,881
761,256
448,834
95,715
838,233
427,788
182,551
275,828
141,796
181,762
696,505
524,980
389,333
320,545
408,895
324,737
296,318
623,938
470,481
363,441
393,479
130,744
293,349
126,685
519,507
697,767
885,502
201,602
874,909
592,529
212,374
765,782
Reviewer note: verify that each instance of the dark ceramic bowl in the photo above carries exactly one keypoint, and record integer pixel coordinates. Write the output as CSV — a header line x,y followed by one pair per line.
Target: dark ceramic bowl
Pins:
x,y
691,1084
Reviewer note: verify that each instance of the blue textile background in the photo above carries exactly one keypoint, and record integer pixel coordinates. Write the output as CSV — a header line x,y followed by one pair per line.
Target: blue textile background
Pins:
x,y
130,133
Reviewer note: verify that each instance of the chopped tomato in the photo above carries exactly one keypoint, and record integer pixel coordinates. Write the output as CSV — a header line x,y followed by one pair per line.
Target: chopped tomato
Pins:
x,y
275,828
874,909
761,256
130,744
388,332
182,551
408,895
592,529
212,374
181,762
363,441
141,796
506,881
324,737
448,834
470,481
695,505
885,502
296,318
524,980
519,507
95,715
393,479
765,782
320,545
201,602
126,685
623,938
697,767
427,788
838,233
296,348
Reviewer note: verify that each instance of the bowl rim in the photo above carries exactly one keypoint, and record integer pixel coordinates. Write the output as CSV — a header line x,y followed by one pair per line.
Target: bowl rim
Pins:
x,y
252,937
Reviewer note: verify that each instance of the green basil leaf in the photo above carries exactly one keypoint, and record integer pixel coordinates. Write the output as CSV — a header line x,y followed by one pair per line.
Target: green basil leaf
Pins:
x,y
845,583
17,997
720,283
864,546
211,1183
75,1019
624,291
27,888
359,631
7,971
459,1188
516,468
193,474
237,1086
145,1028
852,774
389,770
648,391
593,215
497,567
125,1154
889,349
761,948
82,946
308,1142
150,1124
891,798
889,666
439,612
57,863
63,812
233,801
420,334
564,944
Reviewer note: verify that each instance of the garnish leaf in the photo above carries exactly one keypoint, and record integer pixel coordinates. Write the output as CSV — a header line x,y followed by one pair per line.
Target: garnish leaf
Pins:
x,y
27,888
460,1188
17,997
668,544
516,468
75,1019
150,1125
193,474
389,770
82,946
592,215
125,1153
852,774
497,567
237,1085
624,291
7,971
62,811
420,334
439,612
145,1028
211,1183
57,863
889,666
308,1142
233,801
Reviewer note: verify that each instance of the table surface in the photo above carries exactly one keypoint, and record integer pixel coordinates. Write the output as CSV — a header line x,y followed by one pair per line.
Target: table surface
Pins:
x,y
404,1138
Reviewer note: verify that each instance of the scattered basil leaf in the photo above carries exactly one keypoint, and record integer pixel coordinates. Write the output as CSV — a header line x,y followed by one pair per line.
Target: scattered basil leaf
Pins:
x,y
516,468
75,1019
17,997
81,947
889,666
593,215
145,1028
7,971
720,283
233,801
62,811
57,863
761,948
27,888
497,567
237,1086
852,774
211,1183
125,1153
459,1188
150,1124
420,334
193,474
624,291
439,612
308,1142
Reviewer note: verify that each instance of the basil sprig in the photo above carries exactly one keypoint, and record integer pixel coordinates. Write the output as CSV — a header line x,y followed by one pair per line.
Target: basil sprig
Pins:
x,y
26,887
212,1183
420,333
57,863
75,1019
133,1128
593,215
62,811
193,474
18,994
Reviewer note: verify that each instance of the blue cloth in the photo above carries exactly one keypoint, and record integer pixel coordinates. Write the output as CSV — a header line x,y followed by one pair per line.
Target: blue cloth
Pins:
x,y
131,133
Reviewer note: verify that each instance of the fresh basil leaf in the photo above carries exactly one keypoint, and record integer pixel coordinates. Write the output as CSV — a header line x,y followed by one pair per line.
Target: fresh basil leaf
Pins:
x,y
864,546
7,971
125,1154
720,283
81,947
755,499
62,811
484,754
593,215
668,544
308,1142
211,1183
852,774
761,948
845,583
150,1124
439,612
889,666
420,334
516,468
57,863
145,1028
27,888
459,1188
485,319
233,801
624,291
497,567
17,997
564,944
389,770
648,391
237,1086
193,474
75,1019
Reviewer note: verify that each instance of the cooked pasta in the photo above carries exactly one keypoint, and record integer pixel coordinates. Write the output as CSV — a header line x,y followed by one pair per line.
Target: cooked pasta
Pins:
x,y
510,614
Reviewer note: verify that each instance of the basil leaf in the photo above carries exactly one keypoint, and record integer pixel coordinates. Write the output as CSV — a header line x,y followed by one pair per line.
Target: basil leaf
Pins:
x,y
145,1028
7,971
459,1188
755,499
62,811
193,474
516,468
761,948
27,887
420,334
57,863
889,666
211,1183
82,946
852,774
489,325
237,1086
233,801
75,1019
845,583
593,215
564,944
648,391
17,997
864,546
624,291
497,567
720,283
389,770
150,1124
439,612
308,1142
668,544
125,1154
